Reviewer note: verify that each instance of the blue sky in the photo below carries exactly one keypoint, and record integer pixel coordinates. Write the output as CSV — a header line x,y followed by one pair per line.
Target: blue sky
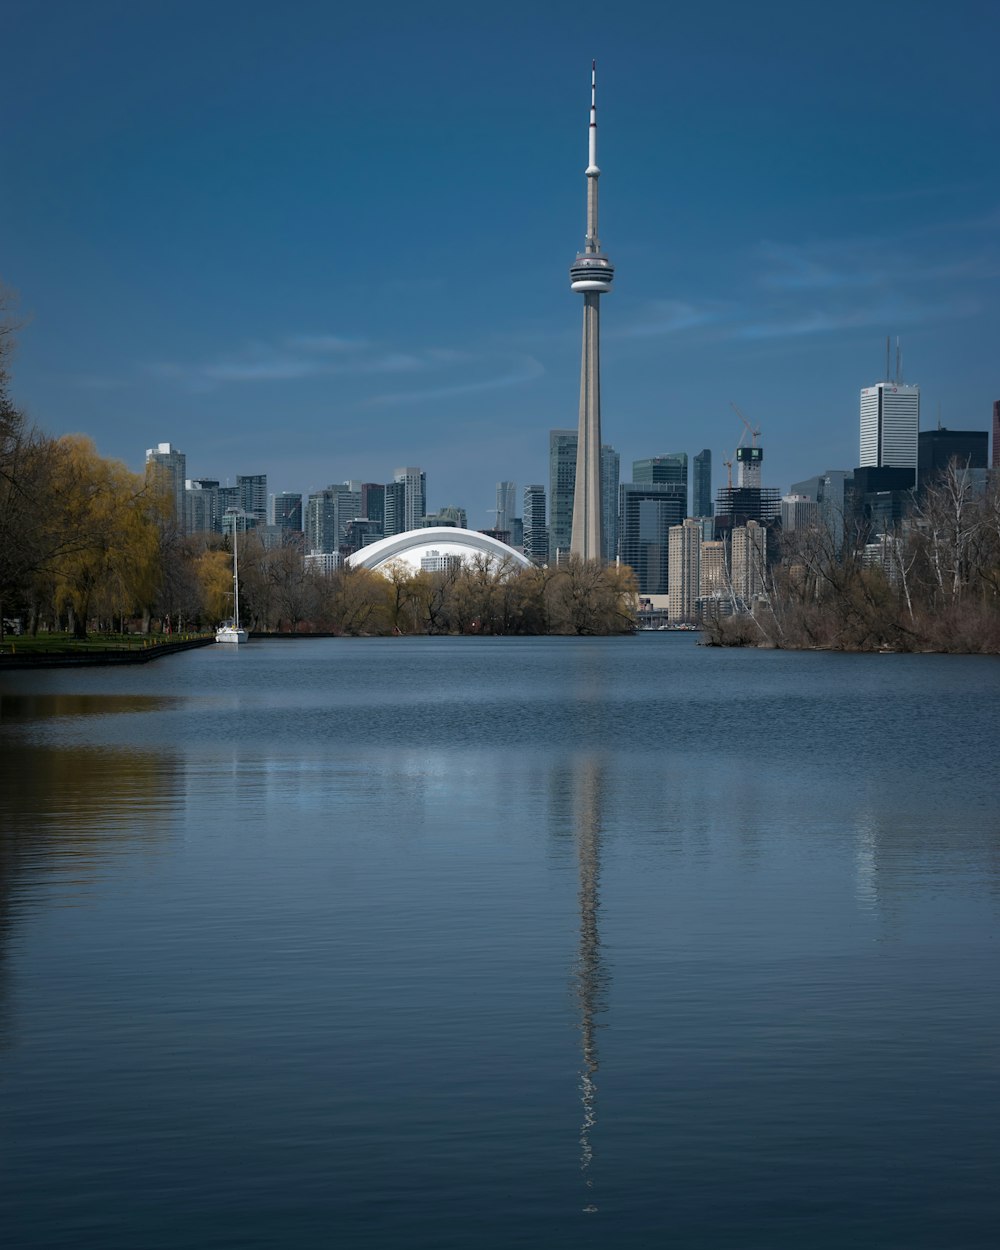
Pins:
x,y
319,242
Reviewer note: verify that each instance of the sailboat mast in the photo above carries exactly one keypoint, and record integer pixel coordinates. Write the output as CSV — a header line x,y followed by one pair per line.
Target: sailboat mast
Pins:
x,y
236,574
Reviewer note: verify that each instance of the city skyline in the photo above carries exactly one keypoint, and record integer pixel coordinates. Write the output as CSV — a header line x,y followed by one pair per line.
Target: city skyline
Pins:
x,y
228,259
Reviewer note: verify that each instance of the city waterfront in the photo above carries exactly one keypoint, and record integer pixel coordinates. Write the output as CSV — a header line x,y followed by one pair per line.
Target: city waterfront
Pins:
x,y
441,942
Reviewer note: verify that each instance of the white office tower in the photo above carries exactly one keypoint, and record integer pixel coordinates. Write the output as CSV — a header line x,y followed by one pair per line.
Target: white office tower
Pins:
x,y
749,561
684,569
890,423
591,274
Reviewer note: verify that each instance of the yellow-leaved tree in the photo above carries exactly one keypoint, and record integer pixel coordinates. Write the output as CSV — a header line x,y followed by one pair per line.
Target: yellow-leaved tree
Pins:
x,y
107,523
214,571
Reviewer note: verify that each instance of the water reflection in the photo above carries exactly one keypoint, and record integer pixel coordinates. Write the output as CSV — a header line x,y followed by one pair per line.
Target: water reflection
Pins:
x,y
590,981
31,707
65,812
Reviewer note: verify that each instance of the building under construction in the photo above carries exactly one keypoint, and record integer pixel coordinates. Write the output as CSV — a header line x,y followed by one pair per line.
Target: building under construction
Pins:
x,y
747,500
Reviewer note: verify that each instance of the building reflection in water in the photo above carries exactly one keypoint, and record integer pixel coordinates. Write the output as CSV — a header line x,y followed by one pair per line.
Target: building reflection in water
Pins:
x,y
590,979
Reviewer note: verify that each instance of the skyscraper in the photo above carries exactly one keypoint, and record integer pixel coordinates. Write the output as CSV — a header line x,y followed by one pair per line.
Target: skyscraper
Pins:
x,y
201,506
749,561
684,573
562,489
506,509
285,510
672,468
373,502
701,500
647,512
591,274
394,508
167,468
610,482
936,449
253,495
798,512
414,496
536,536
749,462
890,422
321,522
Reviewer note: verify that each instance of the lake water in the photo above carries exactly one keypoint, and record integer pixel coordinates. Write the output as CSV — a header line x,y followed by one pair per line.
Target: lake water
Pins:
x,y
501,943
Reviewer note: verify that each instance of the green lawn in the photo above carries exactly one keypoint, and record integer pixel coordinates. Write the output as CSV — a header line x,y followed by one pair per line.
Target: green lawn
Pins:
x,y
66,644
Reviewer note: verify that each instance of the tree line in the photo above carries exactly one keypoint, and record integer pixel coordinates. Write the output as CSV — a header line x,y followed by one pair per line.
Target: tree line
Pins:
x,y
930,582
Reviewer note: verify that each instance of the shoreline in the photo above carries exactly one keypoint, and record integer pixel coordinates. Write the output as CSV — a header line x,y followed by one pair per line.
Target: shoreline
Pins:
x,y
69,658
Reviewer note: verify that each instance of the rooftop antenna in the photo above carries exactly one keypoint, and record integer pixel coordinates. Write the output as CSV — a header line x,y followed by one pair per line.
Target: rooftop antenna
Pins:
x,y
887,357
899,362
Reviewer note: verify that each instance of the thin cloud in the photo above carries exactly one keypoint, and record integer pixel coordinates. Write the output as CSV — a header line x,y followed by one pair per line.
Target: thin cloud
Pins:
x,y
883,315
293,358
661,318
524,369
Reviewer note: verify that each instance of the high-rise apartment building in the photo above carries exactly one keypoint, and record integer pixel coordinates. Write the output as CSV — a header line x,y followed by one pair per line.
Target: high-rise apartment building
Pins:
x,y
285,510
701,497
890,423
684,571
749,561
394,508
713,568
201,506
229,498
414,482
252,488
536,534
166,468
373,502
321,522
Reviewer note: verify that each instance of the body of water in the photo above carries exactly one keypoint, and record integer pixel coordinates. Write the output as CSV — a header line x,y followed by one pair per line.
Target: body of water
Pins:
x,y
500,943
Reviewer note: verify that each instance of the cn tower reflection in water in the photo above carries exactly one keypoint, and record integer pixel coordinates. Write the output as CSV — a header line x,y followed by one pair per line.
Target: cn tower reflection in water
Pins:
x,y
590,977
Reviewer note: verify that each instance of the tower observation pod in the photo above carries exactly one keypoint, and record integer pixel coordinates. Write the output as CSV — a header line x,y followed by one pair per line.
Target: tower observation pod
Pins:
x,y
591,274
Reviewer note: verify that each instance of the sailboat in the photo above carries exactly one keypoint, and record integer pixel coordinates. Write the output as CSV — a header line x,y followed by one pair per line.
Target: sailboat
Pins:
x,y
230,631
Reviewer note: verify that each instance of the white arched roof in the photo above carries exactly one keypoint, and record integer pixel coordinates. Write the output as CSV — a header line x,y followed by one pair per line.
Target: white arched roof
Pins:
x,y
411,547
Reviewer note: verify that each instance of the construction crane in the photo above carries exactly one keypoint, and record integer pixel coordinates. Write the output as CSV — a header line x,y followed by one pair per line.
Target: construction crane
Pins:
x,y
754,430
729,473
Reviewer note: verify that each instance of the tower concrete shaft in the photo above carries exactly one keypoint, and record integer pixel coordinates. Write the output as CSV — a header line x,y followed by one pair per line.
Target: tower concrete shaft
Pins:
x,y
591,274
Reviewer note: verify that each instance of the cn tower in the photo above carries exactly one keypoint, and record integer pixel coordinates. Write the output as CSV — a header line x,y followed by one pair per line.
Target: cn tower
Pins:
x,y
592,274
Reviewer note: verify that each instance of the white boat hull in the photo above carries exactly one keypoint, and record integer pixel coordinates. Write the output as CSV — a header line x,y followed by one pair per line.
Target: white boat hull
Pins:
x,y
231,633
